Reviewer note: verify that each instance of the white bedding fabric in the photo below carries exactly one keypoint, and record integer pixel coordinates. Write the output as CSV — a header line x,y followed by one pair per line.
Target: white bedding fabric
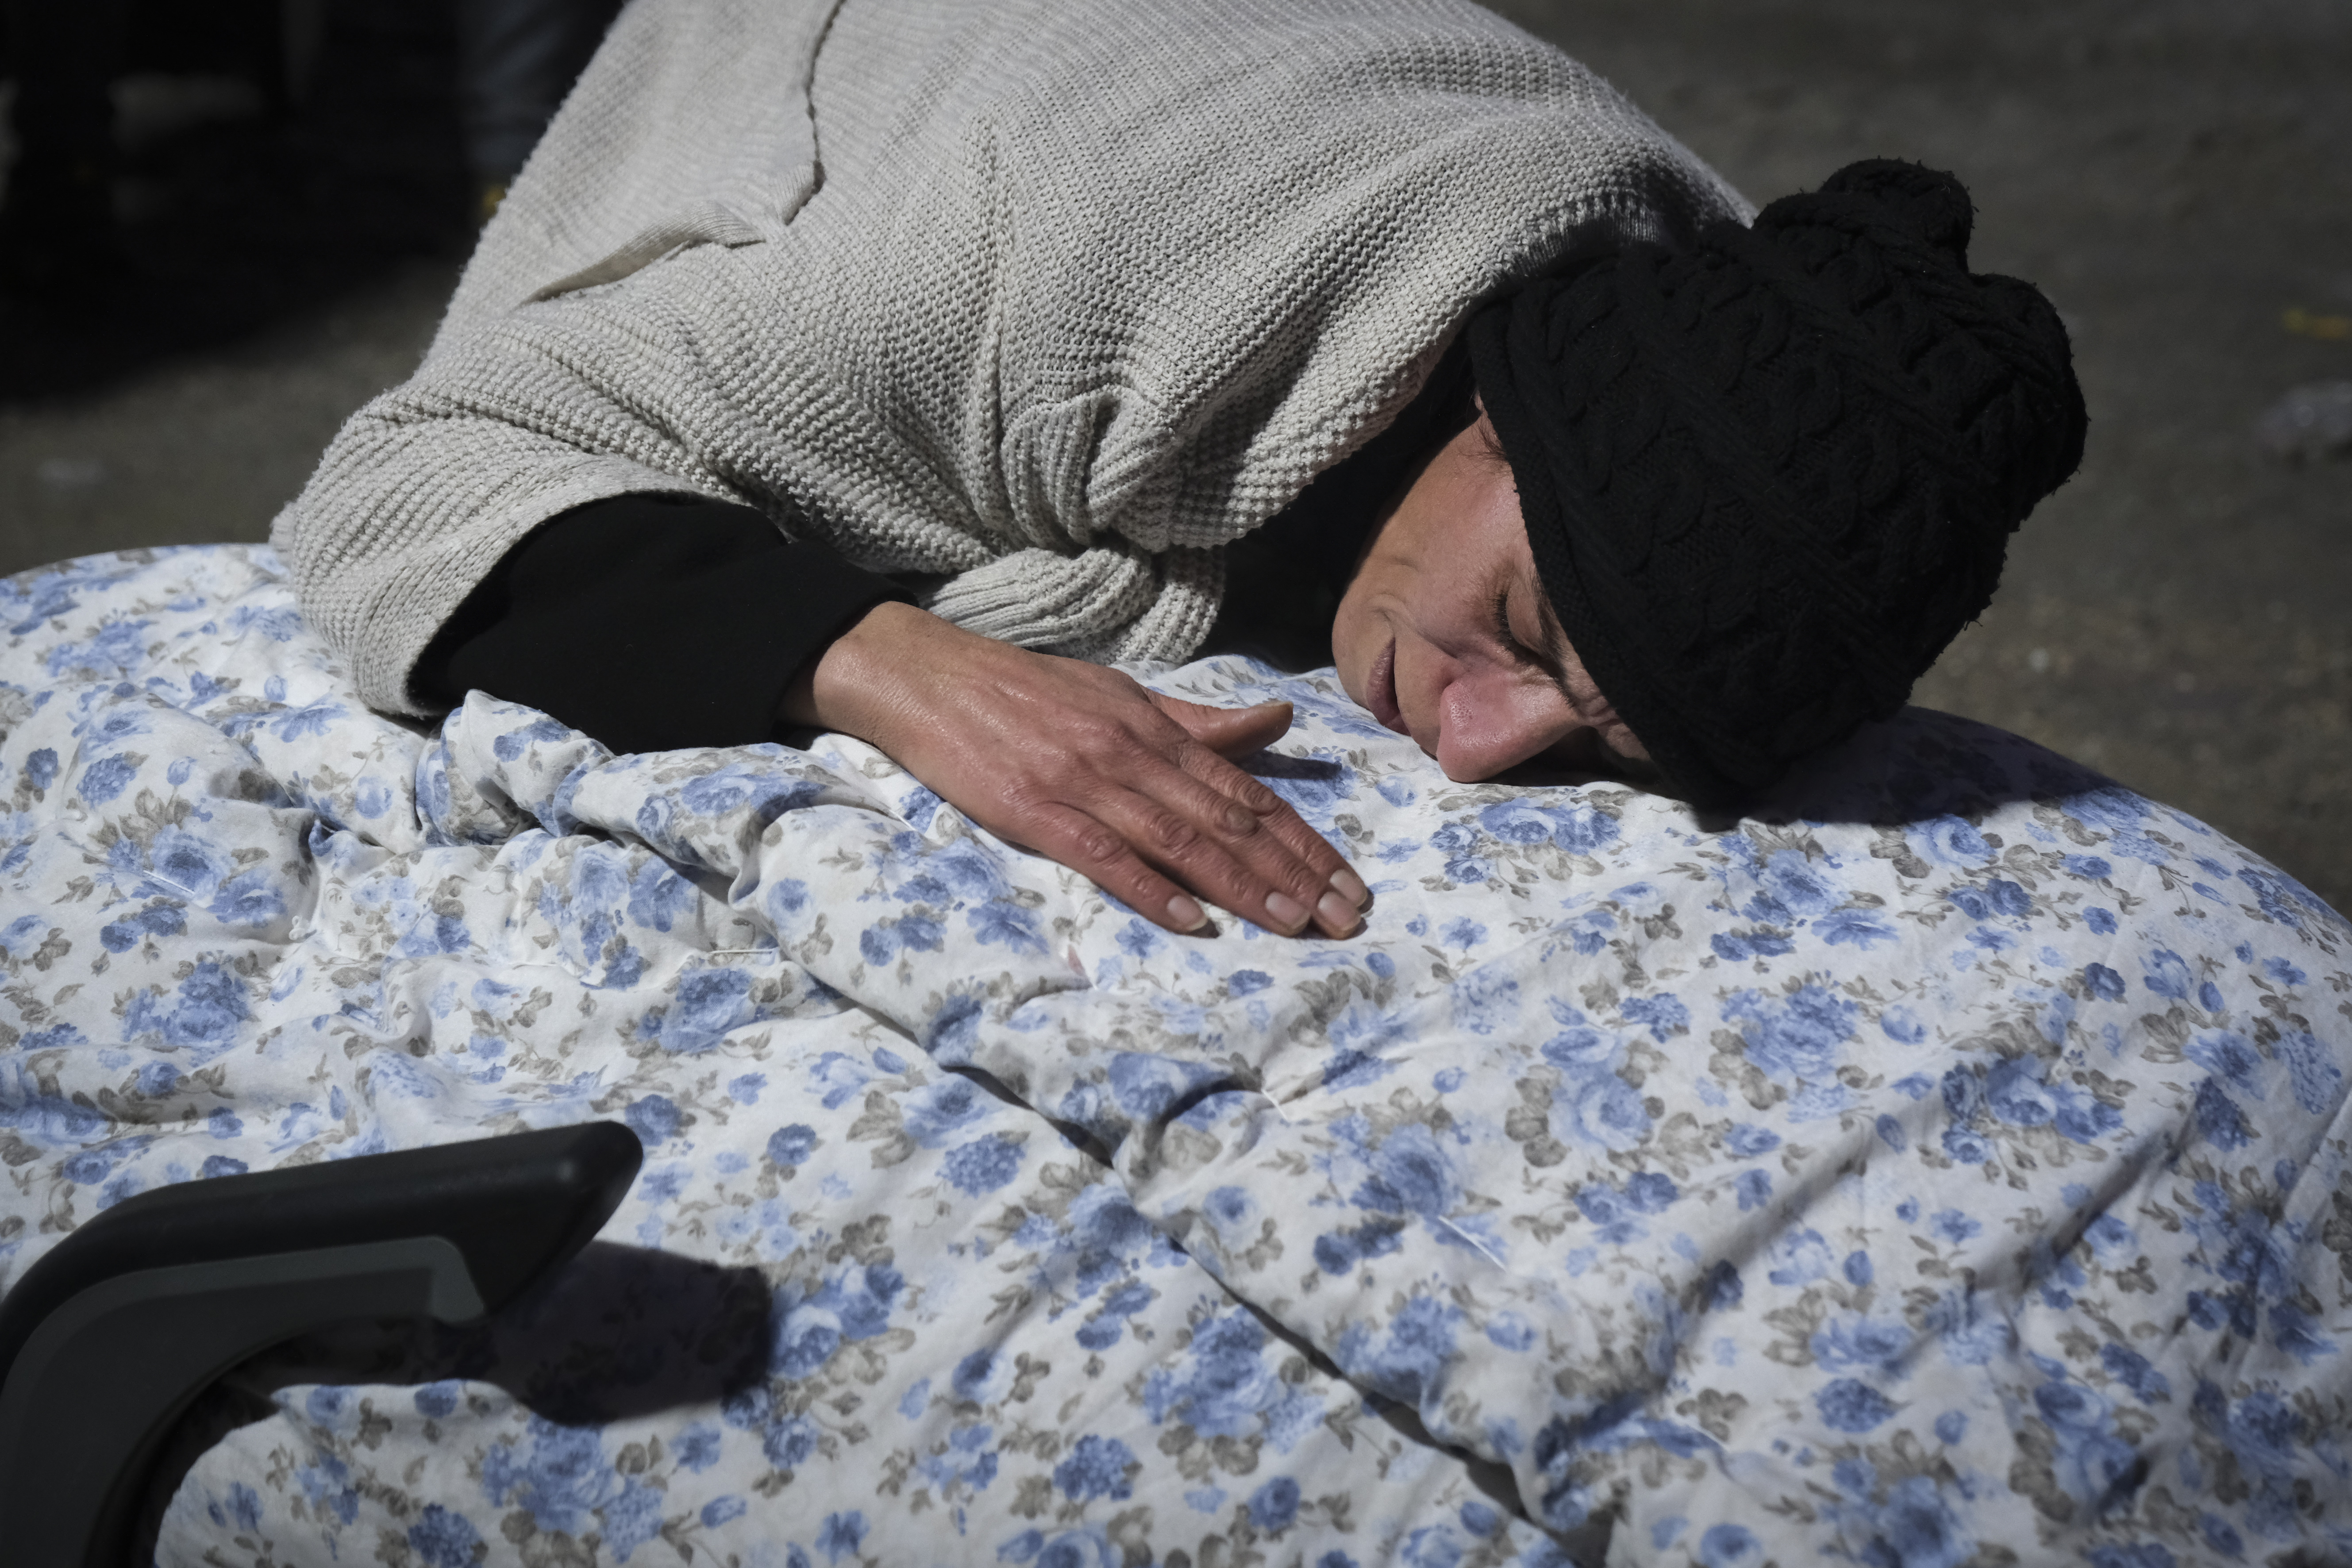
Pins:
x,y
1952,1171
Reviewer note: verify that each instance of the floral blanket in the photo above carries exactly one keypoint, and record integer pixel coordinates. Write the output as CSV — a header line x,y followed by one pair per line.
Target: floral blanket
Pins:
x,y
1949,1168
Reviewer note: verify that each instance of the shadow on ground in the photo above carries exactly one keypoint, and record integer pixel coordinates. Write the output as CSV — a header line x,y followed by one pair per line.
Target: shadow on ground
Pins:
x,y
239,212
279,266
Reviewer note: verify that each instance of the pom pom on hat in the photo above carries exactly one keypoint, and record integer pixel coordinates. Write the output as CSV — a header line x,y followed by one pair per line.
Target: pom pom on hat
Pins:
x,y
1767,479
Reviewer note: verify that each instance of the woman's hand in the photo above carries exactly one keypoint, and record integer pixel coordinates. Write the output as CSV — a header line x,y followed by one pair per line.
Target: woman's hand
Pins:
x,y
1083,765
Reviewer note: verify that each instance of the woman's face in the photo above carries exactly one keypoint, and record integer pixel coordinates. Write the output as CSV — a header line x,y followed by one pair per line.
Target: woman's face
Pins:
x,y
1445,634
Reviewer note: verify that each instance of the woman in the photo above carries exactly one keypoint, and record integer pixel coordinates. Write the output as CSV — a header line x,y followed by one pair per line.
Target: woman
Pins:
x,y
894,368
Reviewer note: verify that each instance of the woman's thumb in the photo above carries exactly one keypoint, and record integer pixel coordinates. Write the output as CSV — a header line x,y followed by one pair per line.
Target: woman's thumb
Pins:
x,y
1229,731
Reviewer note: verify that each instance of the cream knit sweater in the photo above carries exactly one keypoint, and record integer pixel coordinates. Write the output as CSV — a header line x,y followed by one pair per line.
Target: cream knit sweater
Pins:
x,y
1038,302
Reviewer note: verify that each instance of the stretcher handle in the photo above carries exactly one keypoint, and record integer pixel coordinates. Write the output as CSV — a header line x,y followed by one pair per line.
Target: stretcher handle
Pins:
x,y
107,1338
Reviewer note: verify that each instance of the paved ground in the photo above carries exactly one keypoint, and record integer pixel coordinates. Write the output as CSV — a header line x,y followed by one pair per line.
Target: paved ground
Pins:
x,y
2171,171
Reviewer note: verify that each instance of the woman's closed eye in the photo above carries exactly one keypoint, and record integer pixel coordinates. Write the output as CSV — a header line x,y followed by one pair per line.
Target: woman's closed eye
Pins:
x,y
1518,651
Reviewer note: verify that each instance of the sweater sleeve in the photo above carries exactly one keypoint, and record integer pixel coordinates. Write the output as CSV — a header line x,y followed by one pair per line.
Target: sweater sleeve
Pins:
x,y
650,622
554,405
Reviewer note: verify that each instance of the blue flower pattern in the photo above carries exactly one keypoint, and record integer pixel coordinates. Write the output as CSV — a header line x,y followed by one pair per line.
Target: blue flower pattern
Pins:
x,y
1942,1174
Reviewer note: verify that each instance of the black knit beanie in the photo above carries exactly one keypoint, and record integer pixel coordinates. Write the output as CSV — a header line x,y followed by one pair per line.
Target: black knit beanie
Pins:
x,y
1768,478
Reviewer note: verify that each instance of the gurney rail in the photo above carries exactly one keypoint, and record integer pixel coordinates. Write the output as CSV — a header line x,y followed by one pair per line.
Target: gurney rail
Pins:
x,y
107,1338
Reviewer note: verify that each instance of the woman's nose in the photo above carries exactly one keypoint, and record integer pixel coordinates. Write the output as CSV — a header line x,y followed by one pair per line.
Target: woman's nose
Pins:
x,y
1480,733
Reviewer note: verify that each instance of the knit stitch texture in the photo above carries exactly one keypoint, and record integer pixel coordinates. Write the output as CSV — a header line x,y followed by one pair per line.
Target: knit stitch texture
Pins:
x,y
1037,302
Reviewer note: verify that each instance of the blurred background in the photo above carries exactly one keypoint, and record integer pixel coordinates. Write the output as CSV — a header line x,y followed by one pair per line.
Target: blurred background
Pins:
x,y
289,187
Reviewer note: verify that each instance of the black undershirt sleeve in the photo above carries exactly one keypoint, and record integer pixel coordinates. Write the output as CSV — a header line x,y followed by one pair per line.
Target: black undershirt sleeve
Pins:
x,y
651,622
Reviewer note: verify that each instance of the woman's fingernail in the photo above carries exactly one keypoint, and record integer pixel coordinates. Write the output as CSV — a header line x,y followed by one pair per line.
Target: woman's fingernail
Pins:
x,y
1350,886
1288,913
1186,915
1338,914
